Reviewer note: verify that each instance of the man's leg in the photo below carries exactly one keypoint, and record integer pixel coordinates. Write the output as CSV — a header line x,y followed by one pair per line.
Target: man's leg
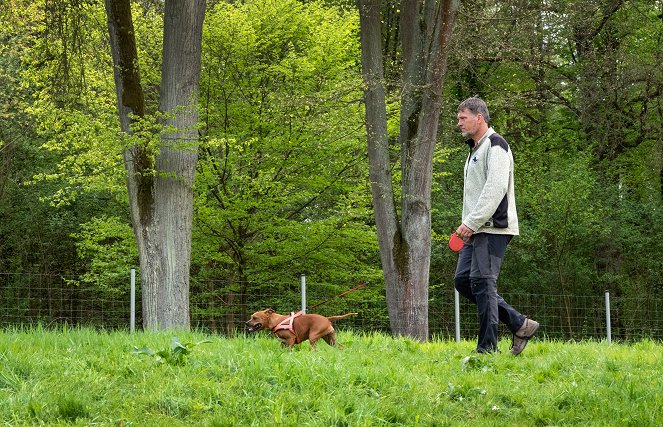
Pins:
x,y
488,252
462,276
481,293
463,284
507,314
485,292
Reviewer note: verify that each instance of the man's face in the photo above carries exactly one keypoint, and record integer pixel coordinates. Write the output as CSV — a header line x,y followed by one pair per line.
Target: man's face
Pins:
x,y
468,123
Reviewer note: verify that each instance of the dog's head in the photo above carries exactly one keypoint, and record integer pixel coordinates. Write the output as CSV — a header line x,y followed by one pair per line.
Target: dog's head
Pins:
x,y
259,320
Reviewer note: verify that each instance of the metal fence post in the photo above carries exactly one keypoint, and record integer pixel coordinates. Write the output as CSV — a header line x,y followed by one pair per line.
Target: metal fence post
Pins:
x,y
132,303
457,314
607,316
303,286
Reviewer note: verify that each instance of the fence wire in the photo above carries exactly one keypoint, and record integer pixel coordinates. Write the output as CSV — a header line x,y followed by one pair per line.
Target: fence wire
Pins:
x,y
223,308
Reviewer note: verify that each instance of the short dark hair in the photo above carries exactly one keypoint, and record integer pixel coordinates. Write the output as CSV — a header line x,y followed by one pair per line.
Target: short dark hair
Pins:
x,y
476,106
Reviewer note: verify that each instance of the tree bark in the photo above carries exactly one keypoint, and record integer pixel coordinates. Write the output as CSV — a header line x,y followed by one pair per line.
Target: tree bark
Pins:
x,y
378,144
405,243
160,182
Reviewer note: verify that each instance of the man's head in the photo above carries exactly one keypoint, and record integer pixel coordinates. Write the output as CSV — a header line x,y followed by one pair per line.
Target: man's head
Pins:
x,y
473,118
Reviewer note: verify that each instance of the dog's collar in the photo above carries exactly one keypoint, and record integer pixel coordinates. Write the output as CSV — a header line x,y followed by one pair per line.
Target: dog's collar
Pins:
x,y
287,324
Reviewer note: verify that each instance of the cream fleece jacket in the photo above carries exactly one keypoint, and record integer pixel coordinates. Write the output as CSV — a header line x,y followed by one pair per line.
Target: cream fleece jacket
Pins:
x,y
489,202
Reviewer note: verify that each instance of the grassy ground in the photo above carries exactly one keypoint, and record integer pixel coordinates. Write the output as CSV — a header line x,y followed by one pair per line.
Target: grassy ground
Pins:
x,y
83,377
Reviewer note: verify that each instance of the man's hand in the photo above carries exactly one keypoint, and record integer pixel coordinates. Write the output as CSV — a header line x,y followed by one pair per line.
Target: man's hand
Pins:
x,y
464,231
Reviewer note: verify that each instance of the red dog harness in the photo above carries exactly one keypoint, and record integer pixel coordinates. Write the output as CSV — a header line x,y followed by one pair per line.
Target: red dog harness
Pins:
x,y
286,325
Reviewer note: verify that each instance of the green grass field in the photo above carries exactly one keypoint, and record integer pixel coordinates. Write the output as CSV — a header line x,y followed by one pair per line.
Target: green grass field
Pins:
x,y
84,377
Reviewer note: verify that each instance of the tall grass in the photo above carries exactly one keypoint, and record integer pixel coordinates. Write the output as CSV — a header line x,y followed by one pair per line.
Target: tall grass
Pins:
x,y
86,377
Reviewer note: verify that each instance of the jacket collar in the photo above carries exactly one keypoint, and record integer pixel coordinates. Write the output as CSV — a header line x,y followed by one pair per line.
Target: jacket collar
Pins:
x,y
474,146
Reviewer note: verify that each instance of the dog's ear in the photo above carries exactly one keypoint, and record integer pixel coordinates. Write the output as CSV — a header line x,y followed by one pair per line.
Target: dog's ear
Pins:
x,y
269,311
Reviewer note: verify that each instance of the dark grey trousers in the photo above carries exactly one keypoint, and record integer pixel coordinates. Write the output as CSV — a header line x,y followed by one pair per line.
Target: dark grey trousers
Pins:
x,y
476,276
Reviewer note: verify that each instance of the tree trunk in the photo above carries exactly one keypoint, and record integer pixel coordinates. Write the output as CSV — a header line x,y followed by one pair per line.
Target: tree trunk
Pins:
x,y
405,244
160,182
378,144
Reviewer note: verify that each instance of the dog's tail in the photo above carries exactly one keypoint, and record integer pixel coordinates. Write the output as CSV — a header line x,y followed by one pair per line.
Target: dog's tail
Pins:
x,y
342,316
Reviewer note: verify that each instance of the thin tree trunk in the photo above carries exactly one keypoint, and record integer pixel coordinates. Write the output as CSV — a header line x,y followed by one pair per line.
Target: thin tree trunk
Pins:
x,y
378,144
405,245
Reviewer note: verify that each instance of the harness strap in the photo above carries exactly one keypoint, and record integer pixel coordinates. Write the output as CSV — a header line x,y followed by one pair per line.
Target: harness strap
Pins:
x,y
287,324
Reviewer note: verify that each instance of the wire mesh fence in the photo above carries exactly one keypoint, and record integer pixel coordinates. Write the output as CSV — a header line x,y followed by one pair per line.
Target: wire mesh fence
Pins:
x,y
223,307
51,300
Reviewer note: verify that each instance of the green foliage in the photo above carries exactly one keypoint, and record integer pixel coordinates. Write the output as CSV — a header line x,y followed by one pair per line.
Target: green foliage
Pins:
x,y
176,355
71,409
282,140
460,393
281,179
83,377
570,86
477,362
560,209
108,247
73,102
282,182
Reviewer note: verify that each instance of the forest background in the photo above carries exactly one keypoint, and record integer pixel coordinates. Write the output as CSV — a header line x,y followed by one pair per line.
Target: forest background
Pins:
x,y
282,182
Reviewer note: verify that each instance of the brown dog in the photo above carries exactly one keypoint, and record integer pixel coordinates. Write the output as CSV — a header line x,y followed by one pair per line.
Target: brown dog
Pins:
x,y
297,327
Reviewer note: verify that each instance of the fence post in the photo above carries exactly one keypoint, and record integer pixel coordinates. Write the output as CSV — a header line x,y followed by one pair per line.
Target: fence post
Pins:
x,y
303,286
132,303
607,316
457,314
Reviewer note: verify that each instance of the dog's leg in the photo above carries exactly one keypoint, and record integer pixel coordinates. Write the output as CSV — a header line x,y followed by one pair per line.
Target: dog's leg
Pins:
x,y
330,338
287,340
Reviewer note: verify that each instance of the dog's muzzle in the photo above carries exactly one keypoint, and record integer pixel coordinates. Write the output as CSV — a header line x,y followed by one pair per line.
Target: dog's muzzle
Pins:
x,y
254,328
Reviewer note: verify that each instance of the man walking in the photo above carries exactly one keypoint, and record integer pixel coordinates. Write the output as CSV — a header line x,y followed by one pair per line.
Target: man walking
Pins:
x,y
489,222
